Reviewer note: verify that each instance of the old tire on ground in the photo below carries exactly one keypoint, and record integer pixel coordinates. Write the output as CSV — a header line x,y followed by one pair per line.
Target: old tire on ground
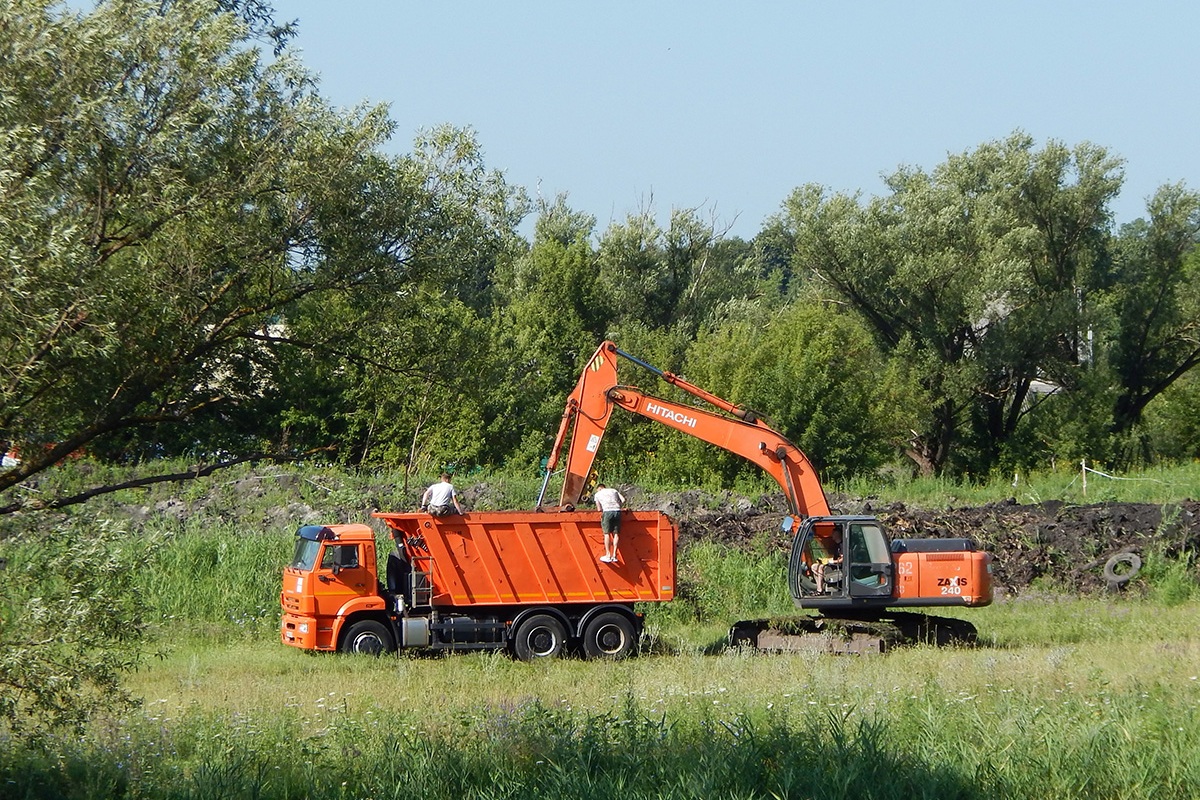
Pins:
x,y
540,636
1121,568
610,635
368,637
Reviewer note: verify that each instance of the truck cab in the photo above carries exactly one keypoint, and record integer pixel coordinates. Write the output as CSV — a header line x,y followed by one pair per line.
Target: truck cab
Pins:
x,y
331,578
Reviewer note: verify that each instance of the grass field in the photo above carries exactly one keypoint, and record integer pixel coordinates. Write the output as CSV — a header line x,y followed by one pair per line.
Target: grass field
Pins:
x,y
1065,697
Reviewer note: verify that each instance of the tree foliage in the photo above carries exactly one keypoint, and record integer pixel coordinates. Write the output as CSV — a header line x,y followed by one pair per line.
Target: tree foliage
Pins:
x,y
810,370
201,257
71,620
982,270
165,194
171,201
1155,304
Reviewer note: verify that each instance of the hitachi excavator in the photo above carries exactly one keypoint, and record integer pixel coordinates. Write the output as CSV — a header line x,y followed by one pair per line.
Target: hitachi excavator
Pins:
x,y
842,567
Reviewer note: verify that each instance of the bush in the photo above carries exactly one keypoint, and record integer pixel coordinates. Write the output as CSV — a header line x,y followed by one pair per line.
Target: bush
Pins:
x,y
72,622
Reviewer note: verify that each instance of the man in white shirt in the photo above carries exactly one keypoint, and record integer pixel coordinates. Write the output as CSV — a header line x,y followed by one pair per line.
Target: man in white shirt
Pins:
x,y
440,498
609,502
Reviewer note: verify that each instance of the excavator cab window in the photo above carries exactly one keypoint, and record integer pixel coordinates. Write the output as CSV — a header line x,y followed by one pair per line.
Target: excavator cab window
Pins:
x,y
869,559
840,558
817,559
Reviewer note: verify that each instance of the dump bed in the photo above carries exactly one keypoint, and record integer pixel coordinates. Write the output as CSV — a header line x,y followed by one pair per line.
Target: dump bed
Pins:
x,y
537,558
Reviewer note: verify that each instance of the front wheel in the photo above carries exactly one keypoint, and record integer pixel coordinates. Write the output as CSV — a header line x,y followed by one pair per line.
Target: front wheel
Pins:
x,y
540,636
368,637
610,635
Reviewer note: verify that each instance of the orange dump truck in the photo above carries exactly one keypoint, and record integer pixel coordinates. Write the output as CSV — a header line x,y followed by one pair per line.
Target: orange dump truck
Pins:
x,y
526,581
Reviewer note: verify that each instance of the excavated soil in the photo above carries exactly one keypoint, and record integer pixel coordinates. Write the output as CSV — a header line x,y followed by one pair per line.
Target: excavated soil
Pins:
x,y
1050,544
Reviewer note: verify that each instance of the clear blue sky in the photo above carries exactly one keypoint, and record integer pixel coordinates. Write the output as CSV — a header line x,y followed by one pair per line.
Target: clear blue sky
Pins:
x,y
727,107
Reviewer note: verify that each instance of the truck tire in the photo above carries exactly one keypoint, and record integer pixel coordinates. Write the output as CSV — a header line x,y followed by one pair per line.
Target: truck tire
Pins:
x,y
610,635
368,637
540,636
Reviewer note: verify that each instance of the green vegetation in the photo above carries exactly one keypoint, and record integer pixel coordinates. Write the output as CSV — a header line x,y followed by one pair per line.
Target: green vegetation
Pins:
x,y
1065,697
201,258
1080,698
205,265
1069,483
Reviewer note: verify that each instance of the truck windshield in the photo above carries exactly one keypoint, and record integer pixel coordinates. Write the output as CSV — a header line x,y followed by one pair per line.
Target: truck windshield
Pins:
x,y
306,554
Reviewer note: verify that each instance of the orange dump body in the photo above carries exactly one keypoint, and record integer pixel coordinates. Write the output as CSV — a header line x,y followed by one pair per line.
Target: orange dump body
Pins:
x,y
537,558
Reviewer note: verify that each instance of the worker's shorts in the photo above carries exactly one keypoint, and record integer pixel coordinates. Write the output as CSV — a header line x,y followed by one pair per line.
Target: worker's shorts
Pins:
x,y
610,521
441,511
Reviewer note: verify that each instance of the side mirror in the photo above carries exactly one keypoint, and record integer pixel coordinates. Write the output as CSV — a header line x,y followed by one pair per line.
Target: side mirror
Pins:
x,y
789,523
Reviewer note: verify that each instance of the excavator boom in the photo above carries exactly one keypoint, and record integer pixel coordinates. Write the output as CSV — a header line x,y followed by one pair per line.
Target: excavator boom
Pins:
x,y
589,408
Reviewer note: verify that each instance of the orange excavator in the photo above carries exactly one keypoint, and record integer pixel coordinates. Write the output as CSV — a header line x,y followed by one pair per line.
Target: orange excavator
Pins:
x,y
842,566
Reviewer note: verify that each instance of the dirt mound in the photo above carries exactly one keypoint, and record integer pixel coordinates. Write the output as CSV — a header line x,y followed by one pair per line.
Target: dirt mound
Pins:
x,y
1064,544
1053,542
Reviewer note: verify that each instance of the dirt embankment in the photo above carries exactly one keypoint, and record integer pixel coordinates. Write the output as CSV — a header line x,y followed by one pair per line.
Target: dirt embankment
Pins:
x,y
1054,542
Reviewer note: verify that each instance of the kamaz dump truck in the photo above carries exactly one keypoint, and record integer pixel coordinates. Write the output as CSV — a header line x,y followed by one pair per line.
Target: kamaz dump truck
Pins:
x,y
527,582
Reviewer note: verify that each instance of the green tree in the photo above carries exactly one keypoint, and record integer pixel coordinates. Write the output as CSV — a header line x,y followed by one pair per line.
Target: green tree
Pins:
x,y
552,315
71,620
164,191
177,215
815,374
675,277
983,272
1155,304
397,370
1173,420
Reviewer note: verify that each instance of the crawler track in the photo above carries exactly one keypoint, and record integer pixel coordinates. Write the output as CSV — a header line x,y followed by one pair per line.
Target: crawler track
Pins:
x,y
850,635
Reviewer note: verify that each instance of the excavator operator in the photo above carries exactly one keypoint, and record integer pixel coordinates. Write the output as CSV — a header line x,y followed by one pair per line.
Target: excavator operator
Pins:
x,y
828,560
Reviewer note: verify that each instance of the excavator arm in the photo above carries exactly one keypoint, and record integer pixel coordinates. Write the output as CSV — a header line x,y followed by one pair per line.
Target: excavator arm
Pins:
x,y
589,408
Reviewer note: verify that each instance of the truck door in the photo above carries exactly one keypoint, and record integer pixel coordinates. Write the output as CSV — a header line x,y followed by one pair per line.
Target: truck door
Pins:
x,y
870,560
341,576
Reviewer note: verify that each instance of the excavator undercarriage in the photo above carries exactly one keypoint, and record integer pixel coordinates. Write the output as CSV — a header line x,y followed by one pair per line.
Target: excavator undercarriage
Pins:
x,y
851,635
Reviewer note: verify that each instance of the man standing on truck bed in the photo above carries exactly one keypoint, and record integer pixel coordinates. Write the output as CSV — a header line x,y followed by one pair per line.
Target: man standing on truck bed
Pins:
x,y
609,502
441,498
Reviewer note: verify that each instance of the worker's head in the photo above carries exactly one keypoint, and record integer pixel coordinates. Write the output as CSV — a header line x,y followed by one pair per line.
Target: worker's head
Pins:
x,y
446,477
599,485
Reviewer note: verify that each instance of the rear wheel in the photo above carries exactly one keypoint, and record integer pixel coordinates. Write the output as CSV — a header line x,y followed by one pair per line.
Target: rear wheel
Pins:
x,y
610,635
368,637
540,636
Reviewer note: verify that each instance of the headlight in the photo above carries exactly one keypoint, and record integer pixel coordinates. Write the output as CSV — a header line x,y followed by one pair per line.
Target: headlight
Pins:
x,y
304,627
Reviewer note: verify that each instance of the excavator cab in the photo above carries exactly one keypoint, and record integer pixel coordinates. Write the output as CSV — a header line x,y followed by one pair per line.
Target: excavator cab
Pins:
x,y
839,562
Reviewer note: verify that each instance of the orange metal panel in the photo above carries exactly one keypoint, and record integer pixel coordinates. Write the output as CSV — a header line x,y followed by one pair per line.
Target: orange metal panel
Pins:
x,y
535,558
963,576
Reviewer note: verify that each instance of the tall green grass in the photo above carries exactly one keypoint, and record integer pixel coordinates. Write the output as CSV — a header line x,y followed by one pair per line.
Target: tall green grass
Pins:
x,y
1072,697
1068,483
1069,697
215,575
1108,710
